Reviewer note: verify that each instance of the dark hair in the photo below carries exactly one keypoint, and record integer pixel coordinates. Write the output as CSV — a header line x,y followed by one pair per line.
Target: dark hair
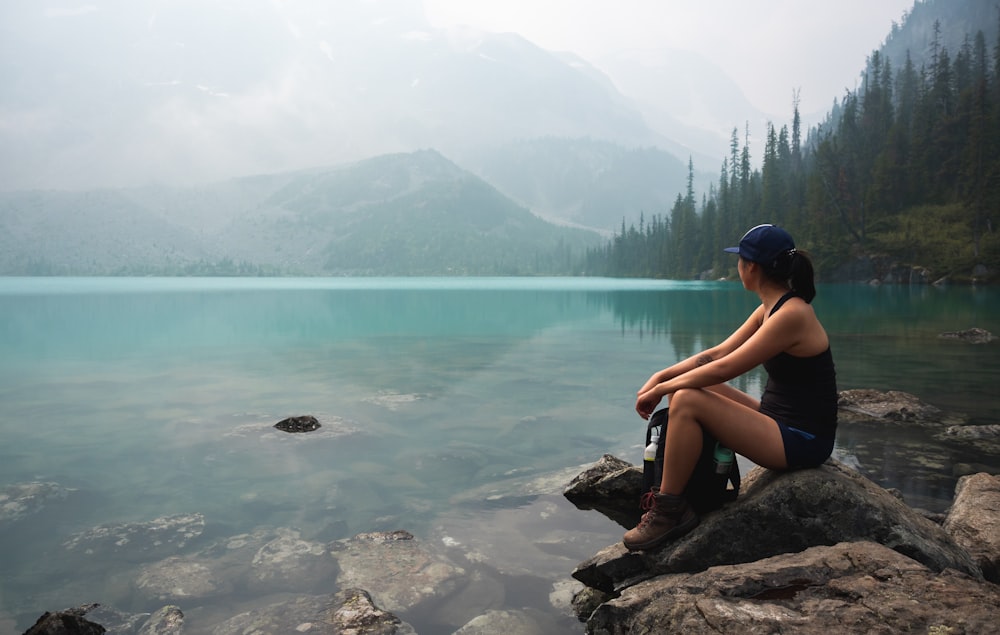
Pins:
x,y
793,268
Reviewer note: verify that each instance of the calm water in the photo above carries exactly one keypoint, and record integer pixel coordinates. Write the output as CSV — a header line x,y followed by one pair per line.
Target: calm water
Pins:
x,y
152,397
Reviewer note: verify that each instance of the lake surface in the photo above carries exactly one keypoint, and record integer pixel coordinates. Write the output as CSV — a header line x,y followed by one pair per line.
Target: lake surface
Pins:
x,y
443,402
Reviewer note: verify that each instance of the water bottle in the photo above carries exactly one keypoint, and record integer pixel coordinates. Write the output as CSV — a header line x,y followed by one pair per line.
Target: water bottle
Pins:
x,y
723,459
649,458
654,438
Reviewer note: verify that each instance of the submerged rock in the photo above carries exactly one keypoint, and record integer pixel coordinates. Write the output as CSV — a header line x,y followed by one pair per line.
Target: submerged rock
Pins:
x,y
398,571
178,579
988,432
348,611
521,622
116,621
289,563
157,538
973,336
22,500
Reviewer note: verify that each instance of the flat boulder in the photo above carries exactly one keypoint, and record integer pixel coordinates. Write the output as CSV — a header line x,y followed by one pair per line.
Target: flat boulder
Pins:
x,y
783,512
856,587
865,404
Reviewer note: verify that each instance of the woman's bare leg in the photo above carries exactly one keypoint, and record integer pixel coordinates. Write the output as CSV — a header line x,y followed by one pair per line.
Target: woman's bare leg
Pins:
x,y
727,417
736,395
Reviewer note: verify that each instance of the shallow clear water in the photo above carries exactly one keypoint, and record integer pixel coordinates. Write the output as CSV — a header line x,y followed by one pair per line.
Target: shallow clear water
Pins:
x,y
156,396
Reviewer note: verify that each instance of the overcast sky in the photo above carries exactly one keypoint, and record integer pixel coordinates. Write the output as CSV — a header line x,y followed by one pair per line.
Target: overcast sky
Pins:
x,y
769,47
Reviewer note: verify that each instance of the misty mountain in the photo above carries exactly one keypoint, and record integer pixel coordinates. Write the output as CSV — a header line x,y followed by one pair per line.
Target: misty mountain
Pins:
x,y
587,182
686,98
402,214
123,92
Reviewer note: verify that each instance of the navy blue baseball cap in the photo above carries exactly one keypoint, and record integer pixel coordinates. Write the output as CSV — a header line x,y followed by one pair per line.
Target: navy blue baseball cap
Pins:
x,y
763,244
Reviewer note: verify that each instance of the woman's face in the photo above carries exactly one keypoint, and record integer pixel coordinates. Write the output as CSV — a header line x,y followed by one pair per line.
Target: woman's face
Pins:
x,y
743,268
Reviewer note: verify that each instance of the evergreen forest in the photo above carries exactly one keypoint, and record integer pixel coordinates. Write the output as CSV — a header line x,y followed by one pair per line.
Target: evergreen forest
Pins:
x,y
905,169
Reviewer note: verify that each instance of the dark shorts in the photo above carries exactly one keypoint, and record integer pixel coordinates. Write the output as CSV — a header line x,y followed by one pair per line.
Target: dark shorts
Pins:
x,y
804,449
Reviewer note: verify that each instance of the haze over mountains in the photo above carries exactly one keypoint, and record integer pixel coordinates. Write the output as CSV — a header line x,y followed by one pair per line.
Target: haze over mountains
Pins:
x,y
178,97
126,92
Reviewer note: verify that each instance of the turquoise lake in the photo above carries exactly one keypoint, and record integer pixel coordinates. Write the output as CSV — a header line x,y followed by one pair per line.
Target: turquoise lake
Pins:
x,y
444,402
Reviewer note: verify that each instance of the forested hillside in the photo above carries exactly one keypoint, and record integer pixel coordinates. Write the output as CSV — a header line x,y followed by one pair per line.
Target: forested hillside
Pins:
x,y
905,171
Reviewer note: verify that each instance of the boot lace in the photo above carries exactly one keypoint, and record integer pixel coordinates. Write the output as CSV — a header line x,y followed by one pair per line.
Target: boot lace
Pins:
x,y
648,500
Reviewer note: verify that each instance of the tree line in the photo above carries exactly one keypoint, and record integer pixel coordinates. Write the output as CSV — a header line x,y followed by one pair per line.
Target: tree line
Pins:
x,y
907,166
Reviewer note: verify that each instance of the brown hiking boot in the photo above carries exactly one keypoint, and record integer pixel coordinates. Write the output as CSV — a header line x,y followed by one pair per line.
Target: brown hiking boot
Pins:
x,y
667,517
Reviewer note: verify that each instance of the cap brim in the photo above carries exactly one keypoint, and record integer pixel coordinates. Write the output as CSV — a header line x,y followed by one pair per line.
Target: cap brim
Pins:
x,y
732,250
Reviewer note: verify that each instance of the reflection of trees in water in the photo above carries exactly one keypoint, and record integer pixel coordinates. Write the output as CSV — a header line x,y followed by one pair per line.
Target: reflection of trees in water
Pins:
x,y
690,320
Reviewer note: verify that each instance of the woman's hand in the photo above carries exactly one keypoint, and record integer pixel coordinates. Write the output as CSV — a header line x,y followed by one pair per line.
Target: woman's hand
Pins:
x,y
654,379
646,403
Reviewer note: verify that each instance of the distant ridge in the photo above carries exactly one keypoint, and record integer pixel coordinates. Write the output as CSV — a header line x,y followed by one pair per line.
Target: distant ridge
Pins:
x,y
401,214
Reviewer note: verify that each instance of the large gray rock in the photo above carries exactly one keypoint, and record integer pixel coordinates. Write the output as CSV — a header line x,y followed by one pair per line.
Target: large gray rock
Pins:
x,y
857,587
974,521
349,612
783,512
611,486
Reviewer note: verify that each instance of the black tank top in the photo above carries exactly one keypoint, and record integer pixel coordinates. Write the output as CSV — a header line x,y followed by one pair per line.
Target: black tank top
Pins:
x,y
801,391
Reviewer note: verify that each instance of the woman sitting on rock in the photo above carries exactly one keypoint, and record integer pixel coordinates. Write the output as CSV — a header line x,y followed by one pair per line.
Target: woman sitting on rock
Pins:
x,y
794,422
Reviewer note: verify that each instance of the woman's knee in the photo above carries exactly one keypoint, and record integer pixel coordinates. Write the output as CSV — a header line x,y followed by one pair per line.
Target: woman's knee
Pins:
x,y
685,399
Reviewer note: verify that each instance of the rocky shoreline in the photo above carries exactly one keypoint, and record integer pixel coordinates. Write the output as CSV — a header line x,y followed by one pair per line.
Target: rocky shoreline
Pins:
x,y
802,552
811,551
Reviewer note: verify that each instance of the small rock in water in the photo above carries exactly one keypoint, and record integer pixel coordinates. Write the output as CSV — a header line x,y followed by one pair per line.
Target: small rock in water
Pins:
x,y
974,335
305,423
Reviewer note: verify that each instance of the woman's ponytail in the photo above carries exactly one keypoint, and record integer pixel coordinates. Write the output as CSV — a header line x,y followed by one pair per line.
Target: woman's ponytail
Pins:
x,y
794,268
801,275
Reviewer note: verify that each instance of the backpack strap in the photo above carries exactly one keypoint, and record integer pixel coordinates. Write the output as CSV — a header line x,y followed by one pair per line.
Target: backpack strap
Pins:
x,y
734,478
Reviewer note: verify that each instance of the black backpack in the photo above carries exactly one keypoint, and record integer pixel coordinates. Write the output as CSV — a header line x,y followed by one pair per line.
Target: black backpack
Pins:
x,y
707,490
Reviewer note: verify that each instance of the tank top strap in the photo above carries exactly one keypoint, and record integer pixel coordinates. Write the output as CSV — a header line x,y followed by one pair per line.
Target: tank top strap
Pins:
x,y
785,298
